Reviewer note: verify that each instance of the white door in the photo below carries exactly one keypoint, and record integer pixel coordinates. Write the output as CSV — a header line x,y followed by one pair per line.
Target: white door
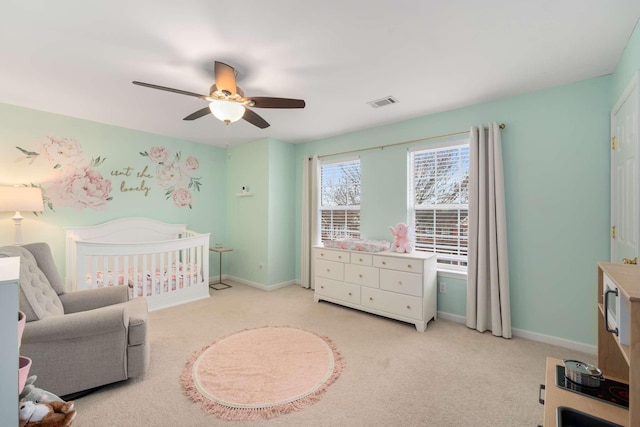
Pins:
x,y
624,176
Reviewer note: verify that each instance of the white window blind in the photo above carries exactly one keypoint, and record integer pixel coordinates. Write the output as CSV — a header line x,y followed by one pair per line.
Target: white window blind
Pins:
x,y
340,200
439,202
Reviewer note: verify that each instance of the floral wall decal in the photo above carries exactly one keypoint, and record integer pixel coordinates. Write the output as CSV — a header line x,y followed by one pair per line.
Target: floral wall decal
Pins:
x,y
76,182
175,175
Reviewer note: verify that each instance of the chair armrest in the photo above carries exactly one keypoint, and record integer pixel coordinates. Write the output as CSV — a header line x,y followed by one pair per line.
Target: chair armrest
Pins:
x,y
90,299
77,325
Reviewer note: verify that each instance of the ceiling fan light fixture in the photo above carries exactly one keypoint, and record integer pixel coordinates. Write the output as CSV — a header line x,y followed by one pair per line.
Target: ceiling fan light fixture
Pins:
x,y
227,111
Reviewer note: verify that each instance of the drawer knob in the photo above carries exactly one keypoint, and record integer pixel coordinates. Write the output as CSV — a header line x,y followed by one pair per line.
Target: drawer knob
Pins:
x,y
408,307
349,293
384,263
339,256
360,259
399,282
328,270
322,287
409,266
360,276
321,253
370,299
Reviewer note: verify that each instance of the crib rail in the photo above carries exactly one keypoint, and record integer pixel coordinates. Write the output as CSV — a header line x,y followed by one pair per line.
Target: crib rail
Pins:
x,y
149,269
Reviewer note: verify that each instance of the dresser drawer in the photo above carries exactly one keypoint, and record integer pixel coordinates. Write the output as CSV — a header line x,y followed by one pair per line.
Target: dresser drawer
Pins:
x,y
339,290
398,263
329,269
391,302
362,275
361,259
401,282
331,255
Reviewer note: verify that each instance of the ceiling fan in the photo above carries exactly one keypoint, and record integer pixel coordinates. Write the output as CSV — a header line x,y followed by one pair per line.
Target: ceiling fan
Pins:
x,y
227,101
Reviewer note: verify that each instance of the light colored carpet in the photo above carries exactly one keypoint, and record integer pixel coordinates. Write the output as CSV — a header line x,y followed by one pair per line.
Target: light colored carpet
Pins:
x,y
394,376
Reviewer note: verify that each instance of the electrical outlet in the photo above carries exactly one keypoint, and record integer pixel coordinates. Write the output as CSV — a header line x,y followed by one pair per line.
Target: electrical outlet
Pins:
x,y
443,288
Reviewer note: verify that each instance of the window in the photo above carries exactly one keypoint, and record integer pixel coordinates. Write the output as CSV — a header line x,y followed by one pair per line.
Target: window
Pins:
x,y
439,202
340,200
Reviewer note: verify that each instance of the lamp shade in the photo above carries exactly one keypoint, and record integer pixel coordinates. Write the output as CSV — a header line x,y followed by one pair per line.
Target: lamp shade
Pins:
x,y
26,199
227,111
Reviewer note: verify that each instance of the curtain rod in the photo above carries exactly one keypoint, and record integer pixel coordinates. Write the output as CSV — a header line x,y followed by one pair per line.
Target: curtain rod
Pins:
x,y
381,147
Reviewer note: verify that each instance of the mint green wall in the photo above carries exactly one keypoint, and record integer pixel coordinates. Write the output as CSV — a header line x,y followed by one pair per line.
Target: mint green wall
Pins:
x,y
281,211
556,162
260,226
628,65
121,148
248,165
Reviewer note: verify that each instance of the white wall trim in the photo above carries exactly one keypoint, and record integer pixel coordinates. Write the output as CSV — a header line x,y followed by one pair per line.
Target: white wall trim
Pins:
x,y
533,336
260,285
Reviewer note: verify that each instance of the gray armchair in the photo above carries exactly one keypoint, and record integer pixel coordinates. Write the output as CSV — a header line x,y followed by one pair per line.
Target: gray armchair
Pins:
x,y
77,340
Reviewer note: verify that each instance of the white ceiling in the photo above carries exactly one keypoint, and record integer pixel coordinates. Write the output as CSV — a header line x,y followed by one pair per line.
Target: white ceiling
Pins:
x,y
78,58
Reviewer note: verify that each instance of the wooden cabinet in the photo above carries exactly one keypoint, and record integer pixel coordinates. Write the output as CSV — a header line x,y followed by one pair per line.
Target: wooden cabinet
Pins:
x,y
618,361
391,284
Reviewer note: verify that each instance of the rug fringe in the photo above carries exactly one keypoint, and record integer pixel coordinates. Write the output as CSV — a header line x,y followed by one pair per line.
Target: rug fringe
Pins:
x,y
233,413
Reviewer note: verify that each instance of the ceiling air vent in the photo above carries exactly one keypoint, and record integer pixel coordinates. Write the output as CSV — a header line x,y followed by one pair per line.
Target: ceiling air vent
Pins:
x,y
387,100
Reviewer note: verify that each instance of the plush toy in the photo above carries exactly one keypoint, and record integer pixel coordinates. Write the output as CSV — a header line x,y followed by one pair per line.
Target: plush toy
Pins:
x,y
47,414
401,241
32,393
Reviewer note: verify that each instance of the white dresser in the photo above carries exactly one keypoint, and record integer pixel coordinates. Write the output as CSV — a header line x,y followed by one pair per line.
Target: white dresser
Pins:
x,y
396,285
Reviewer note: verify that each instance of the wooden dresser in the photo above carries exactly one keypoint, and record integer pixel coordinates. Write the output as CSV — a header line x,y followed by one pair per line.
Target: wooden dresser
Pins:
x,y
395,285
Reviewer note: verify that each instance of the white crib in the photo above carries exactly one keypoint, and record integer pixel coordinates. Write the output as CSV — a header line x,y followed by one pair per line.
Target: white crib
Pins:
x,y
164,263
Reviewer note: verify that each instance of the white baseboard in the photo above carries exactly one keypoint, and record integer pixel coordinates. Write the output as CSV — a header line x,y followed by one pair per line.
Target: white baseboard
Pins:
x,y
260,285
533,336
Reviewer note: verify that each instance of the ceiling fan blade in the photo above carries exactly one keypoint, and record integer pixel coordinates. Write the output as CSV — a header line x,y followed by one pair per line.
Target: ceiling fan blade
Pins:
x,y
202,112
225,77
268,102
168,89
255,119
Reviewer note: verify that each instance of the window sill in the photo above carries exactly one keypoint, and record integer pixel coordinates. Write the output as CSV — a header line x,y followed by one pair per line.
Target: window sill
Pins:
x,y
454,274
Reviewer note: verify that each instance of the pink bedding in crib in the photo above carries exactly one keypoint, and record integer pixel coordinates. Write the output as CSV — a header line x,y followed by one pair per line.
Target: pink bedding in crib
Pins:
x,y
164,281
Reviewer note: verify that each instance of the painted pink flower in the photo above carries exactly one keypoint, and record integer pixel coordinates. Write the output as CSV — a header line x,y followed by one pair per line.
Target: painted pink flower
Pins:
x,y
191,163
85,188
158,154
62,152
182,197
171,175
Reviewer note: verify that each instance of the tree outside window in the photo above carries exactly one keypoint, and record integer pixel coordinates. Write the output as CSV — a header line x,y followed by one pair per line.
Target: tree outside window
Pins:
x,y
439,202
340,200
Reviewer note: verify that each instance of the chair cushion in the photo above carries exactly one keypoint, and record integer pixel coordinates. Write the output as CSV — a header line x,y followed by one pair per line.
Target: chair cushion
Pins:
x,y
37,298
43,256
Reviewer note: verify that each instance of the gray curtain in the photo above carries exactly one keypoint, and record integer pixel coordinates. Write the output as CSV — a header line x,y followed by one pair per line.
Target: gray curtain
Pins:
x,y
488,306
310,230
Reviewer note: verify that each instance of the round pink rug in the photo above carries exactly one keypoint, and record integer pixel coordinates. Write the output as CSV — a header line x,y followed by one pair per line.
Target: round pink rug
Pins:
x,y
261,373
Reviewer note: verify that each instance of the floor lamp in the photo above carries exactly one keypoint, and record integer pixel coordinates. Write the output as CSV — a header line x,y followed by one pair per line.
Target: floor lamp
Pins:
x,y
25,199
